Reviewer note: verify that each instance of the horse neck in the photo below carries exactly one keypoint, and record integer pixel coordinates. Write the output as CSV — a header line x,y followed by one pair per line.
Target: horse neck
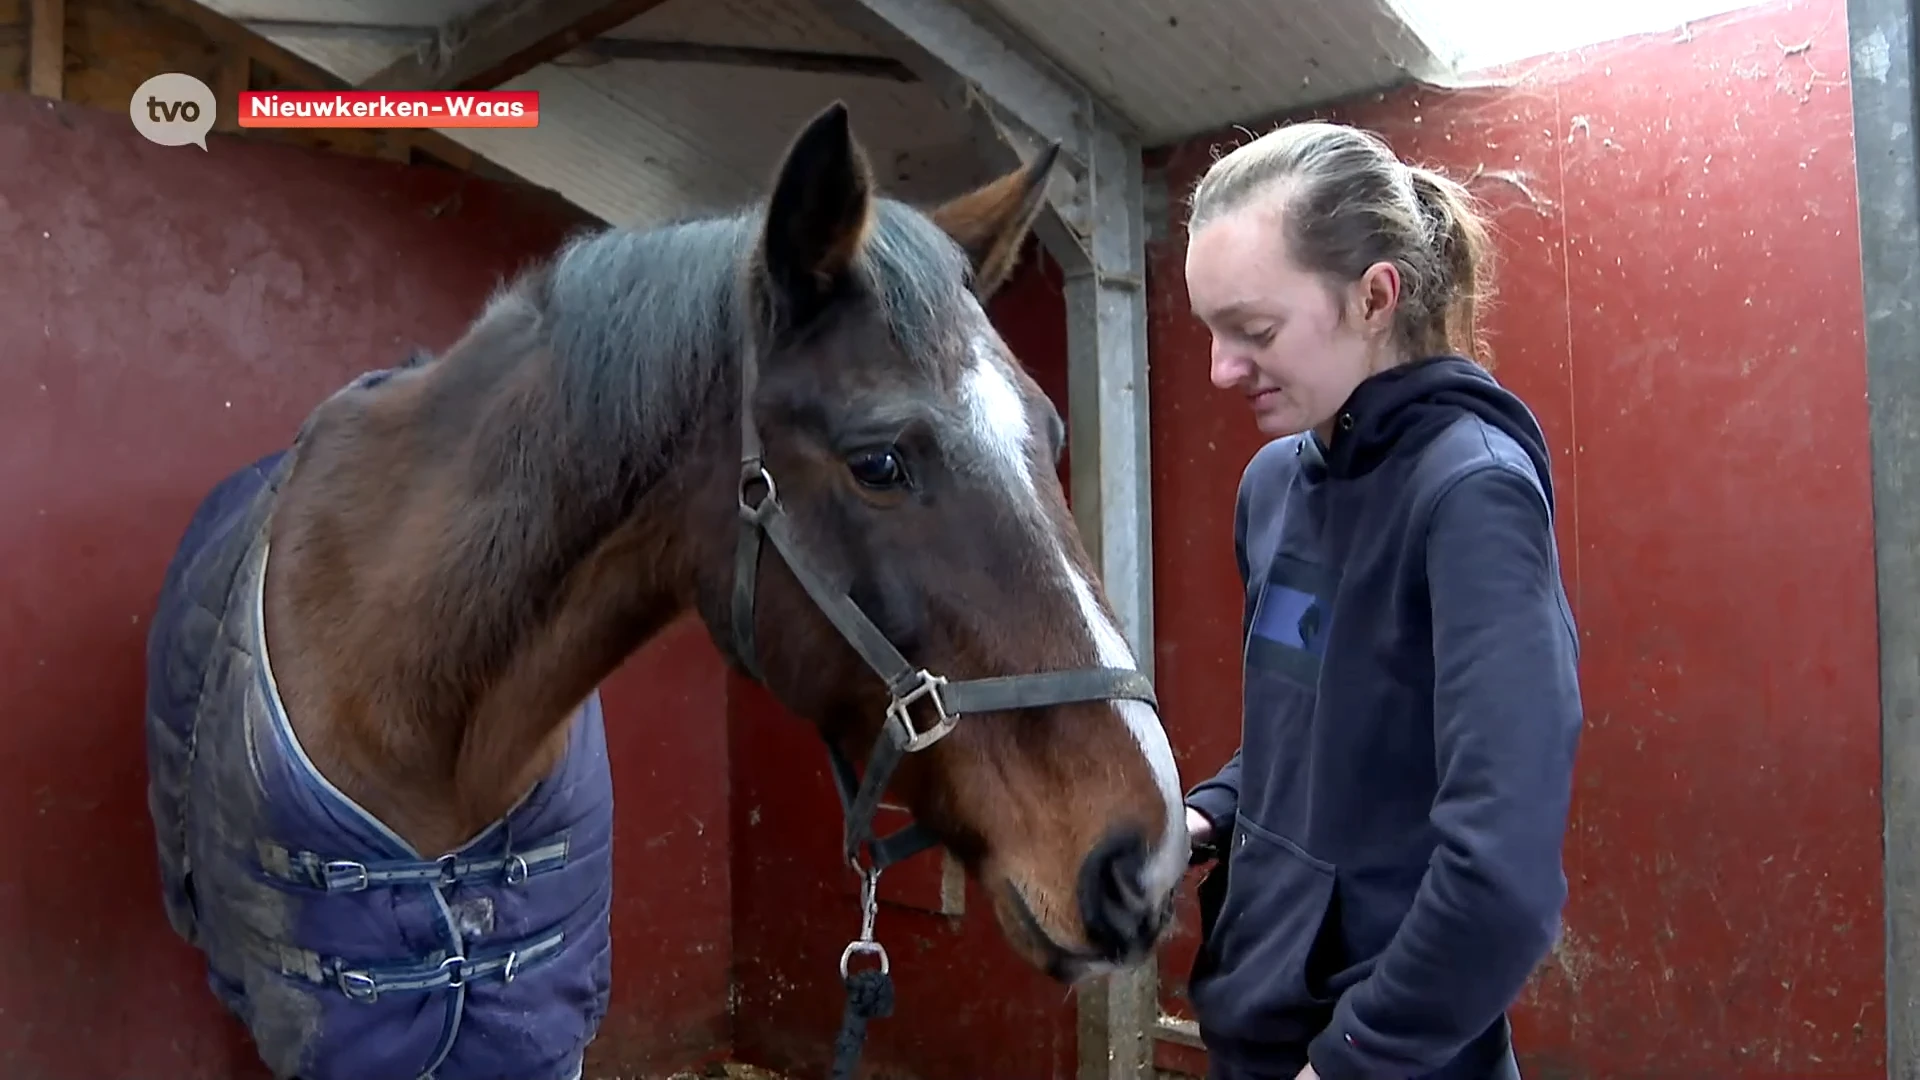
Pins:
x,y
438,611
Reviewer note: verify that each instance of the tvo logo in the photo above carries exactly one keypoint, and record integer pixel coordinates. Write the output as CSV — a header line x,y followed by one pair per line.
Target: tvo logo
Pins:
x,y
173,109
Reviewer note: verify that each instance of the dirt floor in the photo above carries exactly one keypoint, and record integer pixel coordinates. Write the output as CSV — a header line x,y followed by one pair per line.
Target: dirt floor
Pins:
x,y
728,1071
731,1071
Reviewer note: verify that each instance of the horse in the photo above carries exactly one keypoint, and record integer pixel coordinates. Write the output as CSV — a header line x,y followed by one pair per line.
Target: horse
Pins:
x,y
378,776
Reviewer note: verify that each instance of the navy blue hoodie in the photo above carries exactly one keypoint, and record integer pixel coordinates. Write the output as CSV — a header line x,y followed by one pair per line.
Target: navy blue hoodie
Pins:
x,y
1396,810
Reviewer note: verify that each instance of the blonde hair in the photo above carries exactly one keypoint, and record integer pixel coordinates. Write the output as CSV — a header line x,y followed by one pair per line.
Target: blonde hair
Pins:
x,y
1351,202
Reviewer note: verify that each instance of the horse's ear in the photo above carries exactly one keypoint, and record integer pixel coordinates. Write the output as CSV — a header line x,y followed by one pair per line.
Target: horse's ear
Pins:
x,y
991,222
818,214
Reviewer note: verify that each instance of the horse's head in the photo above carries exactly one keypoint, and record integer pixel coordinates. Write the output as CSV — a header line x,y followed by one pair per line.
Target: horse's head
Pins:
x,y
913,463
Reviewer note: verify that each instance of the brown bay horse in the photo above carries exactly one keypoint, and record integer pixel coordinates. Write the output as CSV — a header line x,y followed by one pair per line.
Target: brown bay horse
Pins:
x,y
389,831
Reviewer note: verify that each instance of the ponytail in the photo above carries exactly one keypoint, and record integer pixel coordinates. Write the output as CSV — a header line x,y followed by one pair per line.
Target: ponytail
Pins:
x,y
1458,239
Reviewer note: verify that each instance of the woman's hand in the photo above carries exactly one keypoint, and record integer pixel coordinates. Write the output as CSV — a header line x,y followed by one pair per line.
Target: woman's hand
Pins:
x,y
1199,828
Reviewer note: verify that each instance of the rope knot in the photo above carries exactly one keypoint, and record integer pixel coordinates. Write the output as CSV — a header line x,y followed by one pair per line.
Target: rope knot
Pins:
x,y
870,994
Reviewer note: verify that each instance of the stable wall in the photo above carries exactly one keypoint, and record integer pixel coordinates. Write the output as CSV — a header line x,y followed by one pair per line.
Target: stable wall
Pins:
x,y
1681,307
166,315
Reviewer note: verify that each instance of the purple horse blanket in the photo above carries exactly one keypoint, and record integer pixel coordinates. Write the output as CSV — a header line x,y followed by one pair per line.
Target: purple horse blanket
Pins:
x,y
349,955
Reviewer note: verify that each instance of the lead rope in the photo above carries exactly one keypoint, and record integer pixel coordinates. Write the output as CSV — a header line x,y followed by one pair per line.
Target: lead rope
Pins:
x,y
870,991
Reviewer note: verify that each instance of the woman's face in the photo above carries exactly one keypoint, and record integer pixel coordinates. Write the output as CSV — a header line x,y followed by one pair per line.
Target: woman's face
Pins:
x,y
1291,342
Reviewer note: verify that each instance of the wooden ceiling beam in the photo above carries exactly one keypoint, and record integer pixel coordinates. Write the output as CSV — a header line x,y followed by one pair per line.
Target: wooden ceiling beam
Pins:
x,y
47,49
502,40
594,53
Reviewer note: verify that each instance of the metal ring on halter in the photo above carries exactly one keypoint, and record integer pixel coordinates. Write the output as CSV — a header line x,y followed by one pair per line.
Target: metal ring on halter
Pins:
x,y
929,687
772,498
873,947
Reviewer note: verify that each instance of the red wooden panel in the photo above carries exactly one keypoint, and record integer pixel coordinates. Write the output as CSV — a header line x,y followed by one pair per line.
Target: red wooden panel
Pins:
x,y
167,314
1727,902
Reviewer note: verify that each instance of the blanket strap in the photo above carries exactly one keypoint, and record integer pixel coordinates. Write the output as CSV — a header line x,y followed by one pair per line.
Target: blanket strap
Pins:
x,y
367,983
315,871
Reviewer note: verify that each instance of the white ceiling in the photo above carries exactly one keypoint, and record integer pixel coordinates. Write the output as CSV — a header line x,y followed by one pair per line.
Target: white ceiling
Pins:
x,y
635,141
643,140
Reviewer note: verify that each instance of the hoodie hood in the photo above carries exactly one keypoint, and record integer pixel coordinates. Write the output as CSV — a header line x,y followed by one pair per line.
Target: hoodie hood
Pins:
x,y
1403,408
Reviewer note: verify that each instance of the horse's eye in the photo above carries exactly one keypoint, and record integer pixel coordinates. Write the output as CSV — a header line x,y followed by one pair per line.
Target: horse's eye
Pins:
x,y
877,468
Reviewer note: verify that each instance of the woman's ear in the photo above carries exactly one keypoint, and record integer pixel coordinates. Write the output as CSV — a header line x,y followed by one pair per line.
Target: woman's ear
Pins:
x,y
1376,296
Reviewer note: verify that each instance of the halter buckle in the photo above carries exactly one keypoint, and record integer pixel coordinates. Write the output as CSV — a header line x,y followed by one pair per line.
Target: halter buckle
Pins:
x,y
359,986
344,875
928,686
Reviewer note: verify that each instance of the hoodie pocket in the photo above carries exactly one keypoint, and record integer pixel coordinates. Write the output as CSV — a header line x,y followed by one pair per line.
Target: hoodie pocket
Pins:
x,y
1256,973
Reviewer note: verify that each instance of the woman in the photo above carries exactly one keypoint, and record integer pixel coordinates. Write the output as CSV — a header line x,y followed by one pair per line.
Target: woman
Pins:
x,y
1390,829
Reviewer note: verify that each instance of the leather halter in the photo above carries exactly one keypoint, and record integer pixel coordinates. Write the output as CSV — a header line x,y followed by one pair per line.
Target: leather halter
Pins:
x,y
950,700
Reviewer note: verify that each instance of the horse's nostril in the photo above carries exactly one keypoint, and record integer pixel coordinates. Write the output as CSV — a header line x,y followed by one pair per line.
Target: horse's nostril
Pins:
x,y
1118,915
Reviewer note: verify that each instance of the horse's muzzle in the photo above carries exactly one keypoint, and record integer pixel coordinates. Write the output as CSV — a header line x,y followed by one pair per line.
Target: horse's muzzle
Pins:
x,y
1121,920
1122,917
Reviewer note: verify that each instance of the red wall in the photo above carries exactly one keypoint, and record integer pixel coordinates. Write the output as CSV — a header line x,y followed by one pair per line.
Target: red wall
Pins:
x,y
167,314
1682,309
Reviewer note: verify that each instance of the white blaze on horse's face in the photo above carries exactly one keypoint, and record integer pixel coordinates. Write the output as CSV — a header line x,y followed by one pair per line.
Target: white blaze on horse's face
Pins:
x,y
997,418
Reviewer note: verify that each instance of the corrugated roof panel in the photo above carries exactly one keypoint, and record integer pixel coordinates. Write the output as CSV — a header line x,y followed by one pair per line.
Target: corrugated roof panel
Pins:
x,y
352,60
1177,68
349,56
766,24
363,12
644,141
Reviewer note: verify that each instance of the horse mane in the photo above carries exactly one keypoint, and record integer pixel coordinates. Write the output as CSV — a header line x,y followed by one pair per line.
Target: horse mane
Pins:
x,y
542,428
644,324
